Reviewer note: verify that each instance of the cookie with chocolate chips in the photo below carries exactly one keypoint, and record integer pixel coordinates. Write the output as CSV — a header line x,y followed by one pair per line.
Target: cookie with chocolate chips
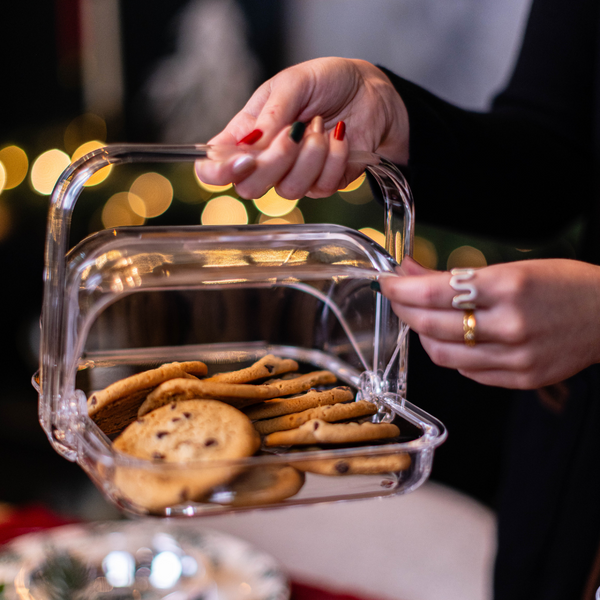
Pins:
x,y
329,413
317,431
260,485
356,465
267,366
236,394
294,404
116,406
186,442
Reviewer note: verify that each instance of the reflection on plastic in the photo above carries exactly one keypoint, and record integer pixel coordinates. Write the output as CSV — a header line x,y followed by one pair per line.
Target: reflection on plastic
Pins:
x,y
166,570
119,568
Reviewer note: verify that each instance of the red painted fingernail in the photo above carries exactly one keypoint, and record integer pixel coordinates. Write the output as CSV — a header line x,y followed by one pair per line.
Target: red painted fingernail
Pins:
x,y
340,131
251,138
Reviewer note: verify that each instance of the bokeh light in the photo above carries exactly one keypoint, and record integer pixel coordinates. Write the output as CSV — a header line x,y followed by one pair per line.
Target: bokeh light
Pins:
x,y
5,220
273,205
46,170
375,235
117,212
294,217
354,185
224,210
98,176
156,193
357,192
2,177
82,129
466,256
424,253
213,189
15,164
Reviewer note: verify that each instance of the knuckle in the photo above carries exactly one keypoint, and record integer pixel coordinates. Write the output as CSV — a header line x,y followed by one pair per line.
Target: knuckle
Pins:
x,y
430,293
323,189
513,329
437,353
426,325
289,190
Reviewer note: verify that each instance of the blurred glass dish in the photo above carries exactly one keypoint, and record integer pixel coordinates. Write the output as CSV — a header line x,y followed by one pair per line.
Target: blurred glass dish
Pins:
x,y
143,560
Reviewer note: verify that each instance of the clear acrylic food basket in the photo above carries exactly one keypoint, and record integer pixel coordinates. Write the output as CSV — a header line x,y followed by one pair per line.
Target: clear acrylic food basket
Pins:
x,y
129,299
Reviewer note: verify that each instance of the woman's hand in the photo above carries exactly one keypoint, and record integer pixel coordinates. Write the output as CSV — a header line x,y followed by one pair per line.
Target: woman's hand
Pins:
x,y
346,104
537,321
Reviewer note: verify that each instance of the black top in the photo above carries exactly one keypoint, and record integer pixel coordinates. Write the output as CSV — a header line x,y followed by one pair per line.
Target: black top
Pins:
x,y
531,163
531,156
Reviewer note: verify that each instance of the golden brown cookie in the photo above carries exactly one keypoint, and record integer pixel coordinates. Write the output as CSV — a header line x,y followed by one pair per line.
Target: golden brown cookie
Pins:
x,y
116,406
356,465
317,431
329,413
187,442
236,394
261,485
267,366
311,399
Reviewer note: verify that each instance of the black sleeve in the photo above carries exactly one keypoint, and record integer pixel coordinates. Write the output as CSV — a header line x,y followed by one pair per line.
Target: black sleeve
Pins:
x,y
523,170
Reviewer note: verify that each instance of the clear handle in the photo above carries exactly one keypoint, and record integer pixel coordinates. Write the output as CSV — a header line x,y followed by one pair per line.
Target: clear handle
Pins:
x,y
399,242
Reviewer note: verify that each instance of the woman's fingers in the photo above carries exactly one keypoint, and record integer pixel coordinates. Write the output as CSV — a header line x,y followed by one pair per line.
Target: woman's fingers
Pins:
x,y
431,289
481,357
274,162
335,172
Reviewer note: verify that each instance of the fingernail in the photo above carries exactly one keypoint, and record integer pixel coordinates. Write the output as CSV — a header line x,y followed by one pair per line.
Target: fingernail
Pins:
x,y
251,138
340,131
375,286
317,124
243,164
297,131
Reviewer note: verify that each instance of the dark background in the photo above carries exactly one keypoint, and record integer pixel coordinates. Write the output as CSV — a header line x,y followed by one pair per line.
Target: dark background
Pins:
x,y
41,95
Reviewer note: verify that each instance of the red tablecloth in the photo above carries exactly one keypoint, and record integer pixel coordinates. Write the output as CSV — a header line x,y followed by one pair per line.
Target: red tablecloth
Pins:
x,y
35,518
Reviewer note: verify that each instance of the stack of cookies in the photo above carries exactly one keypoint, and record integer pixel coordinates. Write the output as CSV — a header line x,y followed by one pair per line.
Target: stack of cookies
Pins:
x,y
188,434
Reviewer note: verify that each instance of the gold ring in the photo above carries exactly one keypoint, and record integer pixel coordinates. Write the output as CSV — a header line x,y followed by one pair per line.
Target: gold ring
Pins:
x,y
469,323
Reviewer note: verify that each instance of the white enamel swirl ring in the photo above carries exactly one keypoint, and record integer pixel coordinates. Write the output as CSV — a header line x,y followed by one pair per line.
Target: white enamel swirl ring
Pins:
x,y
461,282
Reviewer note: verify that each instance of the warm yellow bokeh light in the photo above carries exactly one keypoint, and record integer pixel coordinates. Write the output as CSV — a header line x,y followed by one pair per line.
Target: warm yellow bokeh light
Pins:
x,y
5,220
2,177
117,212
354,185
46,170
82,129
155,191
375,235
86,148
356,192
137,205
466,256
212,189
273,205
294,217
15,164
224,210
424,253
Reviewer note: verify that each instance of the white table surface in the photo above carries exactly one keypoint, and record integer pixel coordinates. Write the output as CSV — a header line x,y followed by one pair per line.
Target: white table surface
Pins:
x,y
432,544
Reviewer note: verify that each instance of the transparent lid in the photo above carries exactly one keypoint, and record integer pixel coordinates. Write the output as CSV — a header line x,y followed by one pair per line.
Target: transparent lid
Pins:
x,y
332,265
